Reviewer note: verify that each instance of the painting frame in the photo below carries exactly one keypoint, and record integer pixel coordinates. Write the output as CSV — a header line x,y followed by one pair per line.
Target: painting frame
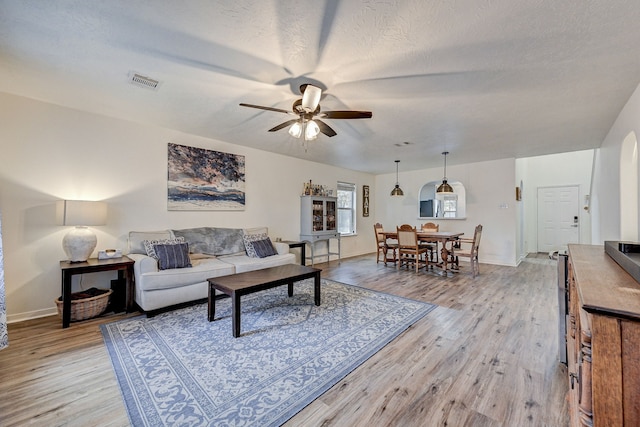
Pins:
x,y
365,200
199,179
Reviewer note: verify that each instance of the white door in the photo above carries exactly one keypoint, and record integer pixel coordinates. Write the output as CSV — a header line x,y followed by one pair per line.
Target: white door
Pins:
x,y
558,218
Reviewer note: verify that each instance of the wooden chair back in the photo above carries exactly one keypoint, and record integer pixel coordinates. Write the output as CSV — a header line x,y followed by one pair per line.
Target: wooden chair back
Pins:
x,y
475,245
378,229
472,252
407,236
430,226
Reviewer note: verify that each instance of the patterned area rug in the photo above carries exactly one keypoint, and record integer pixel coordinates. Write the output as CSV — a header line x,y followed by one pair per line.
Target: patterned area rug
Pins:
x,y
179,369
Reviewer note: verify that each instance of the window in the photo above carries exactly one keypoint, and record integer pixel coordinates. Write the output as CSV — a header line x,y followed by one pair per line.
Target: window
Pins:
x,y
449,205
346,208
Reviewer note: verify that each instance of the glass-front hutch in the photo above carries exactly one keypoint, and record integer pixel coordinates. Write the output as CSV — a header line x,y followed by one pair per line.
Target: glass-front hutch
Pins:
x,y
319,222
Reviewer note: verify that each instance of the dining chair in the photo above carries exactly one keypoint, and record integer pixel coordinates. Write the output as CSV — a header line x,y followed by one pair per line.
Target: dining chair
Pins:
x,y
471,251
432,245
430,226
383,246
409,249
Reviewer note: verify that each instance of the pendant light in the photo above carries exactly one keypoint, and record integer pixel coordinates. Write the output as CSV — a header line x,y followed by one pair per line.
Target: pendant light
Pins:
x,y
397,191
444,187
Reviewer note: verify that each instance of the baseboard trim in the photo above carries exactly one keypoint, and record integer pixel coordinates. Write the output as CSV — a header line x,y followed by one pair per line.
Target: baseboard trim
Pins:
x,y
29,315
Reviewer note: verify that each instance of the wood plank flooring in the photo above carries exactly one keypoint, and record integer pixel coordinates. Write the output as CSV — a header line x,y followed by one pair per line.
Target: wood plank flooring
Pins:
x,y
487,356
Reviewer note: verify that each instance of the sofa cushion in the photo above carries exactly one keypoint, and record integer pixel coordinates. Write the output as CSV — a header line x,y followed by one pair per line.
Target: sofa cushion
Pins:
x,y
200,271
136,239
264,248
149,245
244,263
213,241
174,255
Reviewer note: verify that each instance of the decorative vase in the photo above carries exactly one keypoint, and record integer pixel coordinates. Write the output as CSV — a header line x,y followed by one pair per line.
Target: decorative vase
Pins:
x,y
79,243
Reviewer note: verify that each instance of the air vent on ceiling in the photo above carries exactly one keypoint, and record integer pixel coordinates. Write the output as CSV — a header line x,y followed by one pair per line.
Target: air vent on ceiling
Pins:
x,y
143,81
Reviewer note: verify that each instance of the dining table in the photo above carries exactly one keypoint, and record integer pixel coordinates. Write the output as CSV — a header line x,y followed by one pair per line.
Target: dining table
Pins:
x,y
443,237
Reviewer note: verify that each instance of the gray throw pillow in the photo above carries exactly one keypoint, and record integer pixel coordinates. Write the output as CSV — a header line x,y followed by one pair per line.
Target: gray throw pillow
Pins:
x,y
149,245
213,241
175,255
264,248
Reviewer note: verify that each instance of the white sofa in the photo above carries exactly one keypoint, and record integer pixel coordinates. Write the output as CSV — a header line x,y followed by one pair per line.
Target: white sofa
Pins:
x,y
213,252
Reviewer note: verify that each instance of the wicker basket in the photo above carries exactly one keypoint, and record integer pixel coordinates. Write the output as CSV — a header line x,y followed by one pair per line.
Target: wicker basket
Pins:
x,y
86,308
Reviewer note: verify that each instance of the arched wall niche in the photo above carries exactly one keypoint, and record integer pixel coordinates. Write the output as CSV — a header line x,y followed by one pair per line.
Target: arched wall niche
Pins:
x,y
629,188
442,206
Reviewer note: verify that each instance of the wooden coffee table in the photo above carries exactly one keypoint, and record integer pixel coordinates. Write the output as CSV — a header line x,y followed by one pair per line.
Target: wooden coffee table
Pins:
x,y
237,285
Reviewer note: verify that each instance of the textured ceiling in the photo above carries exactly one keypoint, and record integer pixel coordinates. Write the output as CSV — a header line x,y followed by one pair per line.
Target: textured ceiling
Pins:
x,y
483,79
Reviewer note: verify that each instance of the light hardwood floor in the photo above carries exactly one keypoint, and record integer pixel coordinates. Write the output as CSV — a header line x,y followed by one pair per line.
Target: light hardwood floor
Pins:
x,y
487,356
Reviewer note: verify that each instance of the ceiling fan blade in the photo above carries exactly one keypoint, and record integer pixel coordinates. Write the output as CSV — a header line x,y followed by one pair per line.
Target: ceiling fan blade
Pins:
x,y
277,110
324,128
346,114
310,97
283,125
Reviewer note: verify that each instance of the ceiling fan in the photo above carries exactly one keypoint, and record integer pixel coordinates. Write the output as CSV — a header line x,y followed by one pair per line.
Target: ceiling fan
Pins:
x,y
308,125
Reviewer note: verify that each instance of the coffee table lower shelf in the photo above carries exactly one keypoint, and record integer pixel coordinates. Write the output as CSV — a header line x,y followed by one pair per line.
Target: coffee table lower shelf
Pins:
x,y
237,285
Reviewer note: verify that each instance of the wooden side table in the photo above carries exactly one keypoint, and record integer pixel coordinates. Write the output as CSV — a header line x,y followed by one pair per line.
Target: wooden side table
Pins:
x,y
123,265
301,245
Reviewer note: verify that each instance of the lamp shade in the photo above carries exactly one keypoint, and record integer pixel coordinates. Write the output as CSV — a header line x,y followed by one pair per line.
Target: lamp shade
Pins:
x,y
311,97
295,130
81,212
312,130
397,191
444,187
80,242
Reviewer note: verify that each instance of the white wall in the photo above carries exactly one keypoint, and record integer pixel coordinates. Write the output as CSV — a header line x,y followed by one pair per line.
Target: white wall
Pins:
x,y
51,153
606,198
489,185
565,169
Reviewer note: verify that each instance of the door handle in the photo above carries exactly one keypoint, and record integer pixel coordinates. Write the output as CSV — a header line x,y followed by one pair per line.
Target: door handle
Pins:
x,y
574,225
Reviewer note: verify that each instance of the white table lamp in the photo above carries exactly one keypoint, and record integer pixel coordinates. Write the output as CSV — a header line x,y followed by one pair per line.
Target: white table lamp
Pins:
x,y
80,242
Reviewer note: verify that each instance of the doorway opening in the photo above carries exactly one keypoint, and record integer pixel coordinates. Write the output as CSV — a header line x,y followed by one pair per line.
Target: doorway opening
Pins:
x,y
629,188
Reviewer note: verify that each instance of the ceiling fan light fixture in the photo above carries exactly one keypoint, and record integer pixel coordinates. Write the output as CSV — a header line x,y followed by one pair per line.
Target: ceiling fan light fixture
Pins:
x,y
311,98
295,130
311,130
397,191
306,109
444,187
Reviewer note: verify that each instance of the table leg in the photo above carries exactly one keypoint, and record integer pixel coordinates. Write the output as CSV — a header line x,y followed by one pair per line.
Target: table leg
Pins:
x,y
211,306
128,277
290,289
452,254
316,288
444,253
235,320
66,299
311,246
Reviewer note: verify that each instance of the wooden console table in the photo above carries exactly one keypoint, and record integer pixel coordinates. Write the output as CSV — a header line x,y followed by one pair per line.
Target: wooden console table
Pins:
x,y
123,265
603,340
311,240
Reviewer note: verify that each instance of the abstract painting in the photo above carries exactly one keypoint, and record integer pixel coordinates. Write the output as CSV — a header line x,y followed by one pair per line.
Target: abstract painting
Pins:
x,y
200,179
